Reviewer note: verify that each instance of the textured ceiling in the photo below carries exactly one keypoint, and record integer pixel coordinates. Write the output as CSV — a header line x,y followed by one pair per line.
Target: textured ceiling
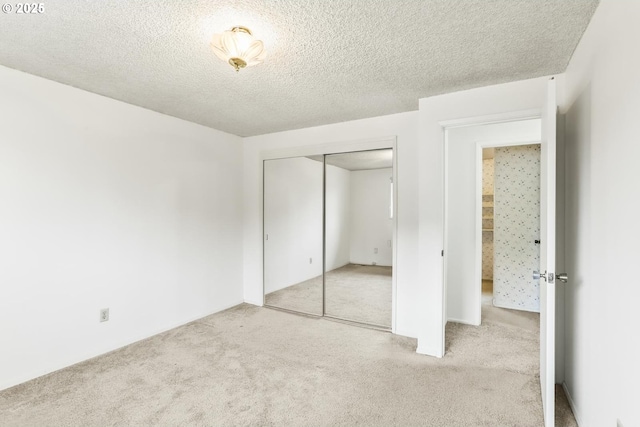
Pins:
x,y
328,60
359,160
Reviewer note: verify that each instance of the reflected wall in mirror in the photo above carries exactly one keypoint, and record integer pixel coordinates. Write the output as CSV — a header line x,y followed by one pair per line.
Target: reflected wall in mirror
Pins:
x,y
358,236
293,234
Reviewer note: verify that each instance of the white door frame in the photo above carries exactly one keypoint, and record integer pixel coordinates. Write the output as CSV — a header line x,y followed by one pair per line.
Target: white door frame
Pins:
x,y
547,375
512,116
337,148
480,145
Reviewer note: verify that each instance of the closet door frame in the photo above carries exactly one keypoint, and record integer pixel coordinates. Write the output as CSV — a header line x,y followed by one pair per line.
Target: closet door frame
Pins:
x,y
337,148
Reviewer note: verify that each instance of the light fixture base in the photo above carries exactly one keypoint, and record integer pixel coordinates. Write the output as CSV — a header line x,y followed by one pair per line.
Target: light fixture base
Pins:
x,y
237,63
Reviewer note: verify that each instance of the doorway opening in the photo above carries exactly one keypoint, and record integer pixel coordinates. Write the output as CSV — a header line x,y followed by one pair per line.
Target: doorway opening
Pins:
x,y
508,200
493,195
465,307
470,217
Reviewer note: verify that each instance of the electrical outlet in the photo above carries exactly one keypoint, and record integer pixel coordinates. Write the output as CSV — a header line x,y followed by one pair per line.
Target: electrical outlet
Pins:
x,y
310,260
375,250
104,314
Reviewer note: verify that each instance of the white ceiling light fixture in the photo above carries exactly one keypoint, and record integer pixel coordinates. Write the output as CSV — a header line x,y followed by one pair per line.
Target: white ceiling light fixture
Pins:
x,y
238,47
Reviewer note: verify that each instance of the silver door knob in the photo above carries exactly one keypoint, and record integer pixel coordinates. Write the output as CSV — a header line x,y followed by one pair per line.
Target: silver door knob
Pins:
x,y
548,277
562,277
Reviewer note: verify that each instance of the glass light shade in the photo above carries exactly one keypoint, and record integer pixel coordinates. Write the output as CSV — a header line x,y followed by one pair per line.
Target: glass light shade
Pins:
x,y
238,47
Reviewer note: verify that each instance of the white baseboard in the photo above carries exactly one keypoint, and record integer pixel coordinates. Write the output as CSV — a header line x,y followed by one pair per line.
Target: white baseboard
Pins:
x,y
428,351
465,322
254,302
404,333
573,406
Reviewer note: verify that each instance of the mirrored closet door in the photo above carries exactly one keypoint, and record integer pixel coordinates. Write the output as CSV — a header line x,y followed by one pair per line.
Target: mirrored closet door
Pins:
x,y
293,234
328,224
358,236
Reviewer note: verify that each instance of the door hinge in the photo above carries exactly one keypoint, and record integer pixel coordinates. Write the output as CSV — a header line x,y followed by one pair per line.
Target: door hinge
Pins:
x,y
442,253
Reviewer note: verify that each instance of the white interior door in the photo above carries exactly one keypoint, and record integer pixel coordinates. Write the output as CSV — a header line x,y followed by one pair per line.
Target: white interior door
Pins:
x,y
548,255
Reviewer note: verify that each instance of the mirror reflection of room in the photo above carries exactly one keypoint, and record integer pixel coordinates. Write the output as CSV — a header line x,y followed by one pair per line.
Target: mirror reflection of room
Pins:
x,y
359,236
293,234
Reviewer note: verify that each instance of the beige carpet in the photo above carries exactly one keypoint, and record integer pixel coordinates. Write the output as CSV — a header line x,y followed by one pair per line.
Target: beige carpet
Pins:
x,y
257,366
360,293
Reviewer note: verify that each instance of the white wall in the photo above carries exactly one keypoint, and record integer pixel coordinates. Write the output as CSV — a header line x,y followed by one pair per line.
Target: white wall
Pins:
x,y
485,101
602,229
371,226
337,218
463,288
104,204
329,138
293,221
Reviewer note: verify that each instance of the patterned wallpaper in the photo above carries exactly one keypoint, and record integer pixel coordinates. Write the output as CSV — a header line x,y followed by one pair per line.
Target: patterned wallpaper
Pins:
x,y
487,210
517,225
